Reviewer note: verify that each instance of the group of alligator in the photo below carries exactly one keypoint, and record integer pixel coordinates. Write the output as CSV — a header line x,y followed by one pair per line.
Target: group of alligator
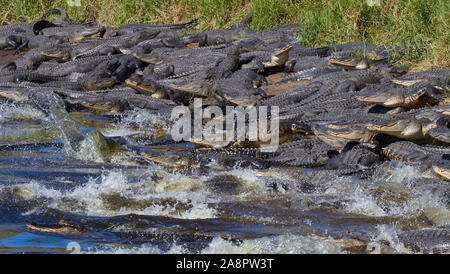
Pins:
x,y
349,111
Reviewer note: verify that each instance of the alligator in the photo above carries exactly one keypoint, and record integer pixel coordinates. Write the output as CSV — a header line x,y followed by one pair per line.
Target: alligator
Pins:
x,y
442,168
328,104
303,153
91,47
263,60
431,240
415,96
76,228
31,76
62,20
214,37
111,45
241,88
301,51
115,100
185,61
440,129
438,77
203,158
410,152
407,128
90,81
217,80
174,30
340,134
73,33
82,65
364,49
346,81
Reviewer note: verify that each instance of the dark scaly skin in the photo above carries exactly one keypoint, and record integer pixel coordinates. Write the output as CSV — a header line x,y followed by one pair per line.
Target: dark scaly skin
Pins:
x,y
113,44
440,77
27,75
130,28
350,80
440,129
62,20
303,153
121,100
434,240
418,95
239,89
411,152
83,65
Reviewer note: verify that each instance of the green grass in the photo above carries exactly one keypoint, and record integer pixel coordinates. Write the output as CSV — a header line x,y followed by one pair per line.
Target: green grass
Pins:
x,y
420,27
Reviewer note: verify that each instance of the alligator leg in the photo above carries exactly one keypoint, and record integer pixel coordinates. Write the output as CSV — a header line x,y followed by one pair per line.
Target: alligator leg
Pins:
x,y
20,47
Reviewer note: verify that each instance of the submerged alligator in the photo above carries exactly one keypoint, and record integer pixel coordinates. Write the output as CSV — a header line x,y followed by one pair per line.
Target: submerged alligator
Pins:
x,y
348,109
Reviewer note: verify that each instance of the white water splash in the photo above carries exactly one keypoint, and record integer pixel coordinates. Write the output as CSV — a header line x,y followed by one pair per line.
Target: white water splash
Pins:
x,y
284,244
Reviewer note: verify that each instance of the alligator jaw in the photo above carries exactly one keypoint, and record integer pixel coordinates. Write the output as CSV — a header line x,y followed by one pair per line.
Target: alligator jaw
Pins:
x,y
196,89
444,172
279,58
172,160
405,129
139,86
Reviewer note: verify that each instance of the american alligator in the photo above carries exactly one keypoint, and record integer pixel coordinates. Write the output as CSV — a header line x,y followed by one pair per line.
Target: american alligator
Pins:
x,y
75,227
442,168
185,61
410,152
356,158
440,129
339,135
111,45
364,49
408,128
241,88
62,20
31,76
432,240
301,51
83,65
217,36
92,47
89,81
263,60
115,100
303,153
328,104
342,82
174,30
204,158
439,77
73,33
417,95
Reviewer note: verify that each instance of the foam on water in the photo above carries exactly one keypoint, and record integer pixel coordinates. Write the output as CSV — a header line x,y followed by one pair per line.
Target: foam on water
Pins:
x,y
10,110
116,196
149,123
283,244
386,233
